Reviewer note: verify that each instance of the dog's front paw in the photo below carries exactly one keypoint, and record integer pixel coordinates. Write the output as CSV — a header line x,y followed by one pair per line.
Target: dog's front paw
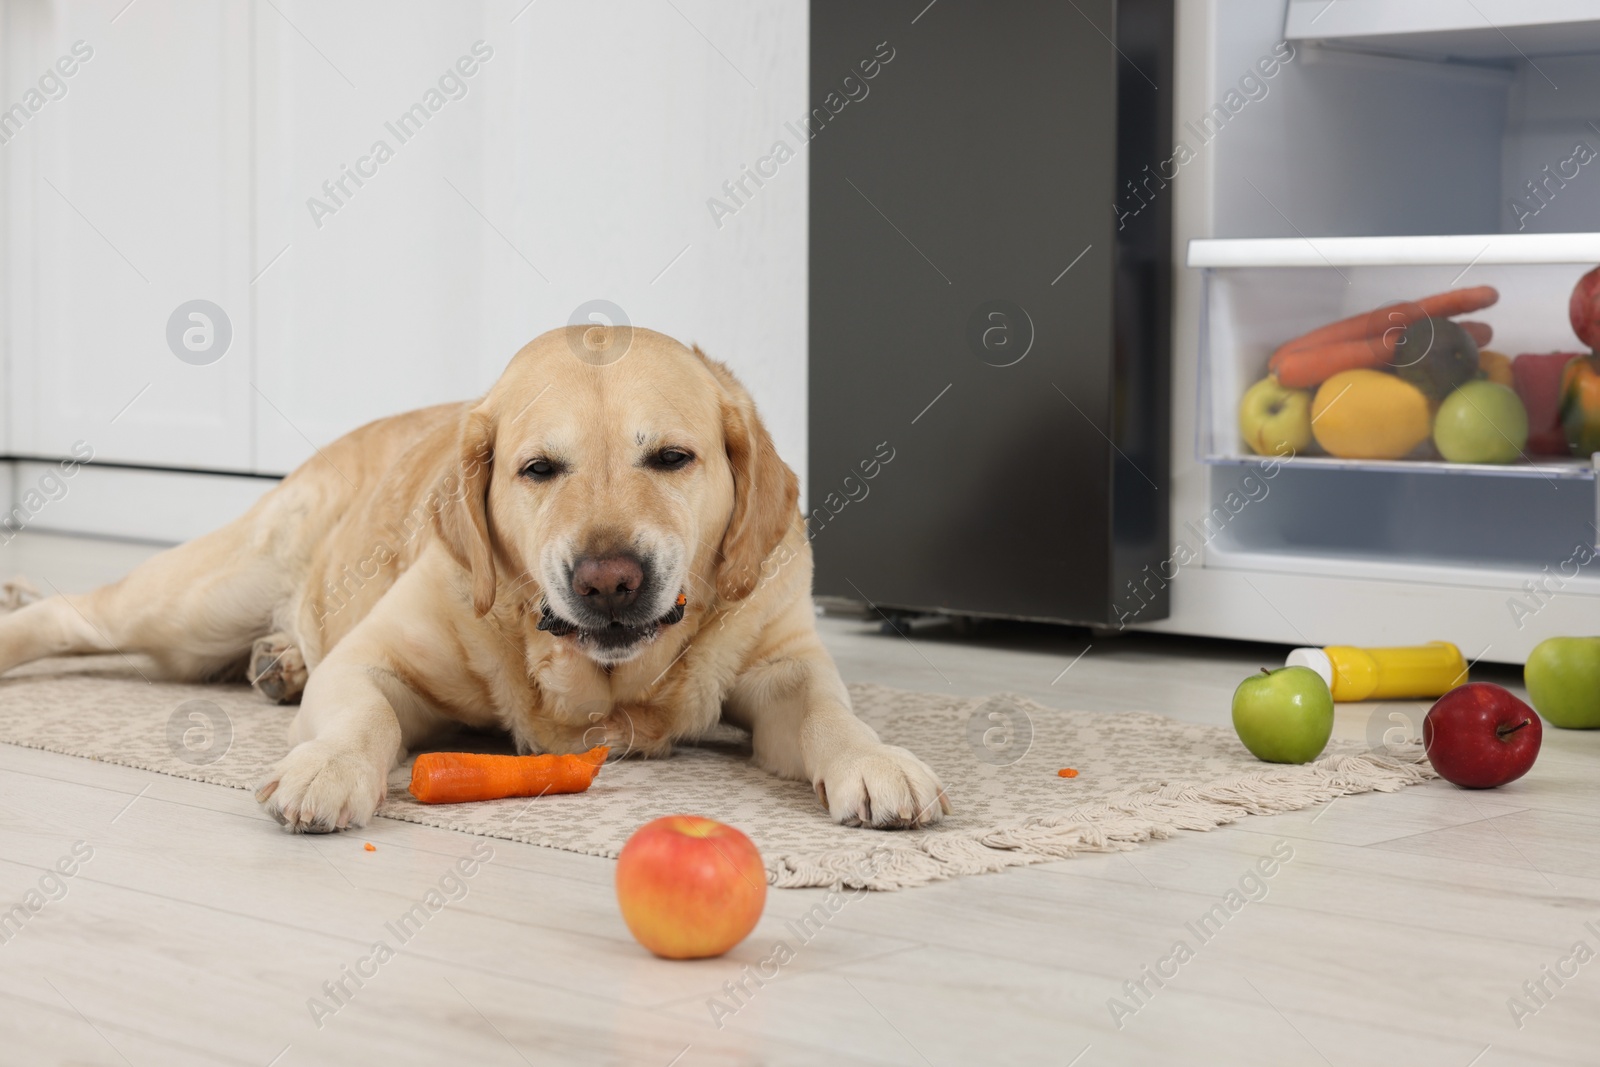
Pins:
x,y
884,787
320,787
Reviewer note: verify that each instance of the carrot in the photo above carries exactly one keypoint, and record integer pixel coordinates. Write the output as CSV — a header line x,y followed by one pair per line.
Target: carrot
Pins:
x,y
456,777
1067,772
1458,302
1380,320
1307,367
1480,332
1385,323
370,847
1352,329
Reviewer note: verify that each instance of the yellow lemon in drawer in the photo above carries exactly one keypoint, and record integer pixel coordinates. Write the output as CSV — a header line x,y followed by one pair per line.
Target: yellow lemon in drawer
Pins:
x,y
1367,414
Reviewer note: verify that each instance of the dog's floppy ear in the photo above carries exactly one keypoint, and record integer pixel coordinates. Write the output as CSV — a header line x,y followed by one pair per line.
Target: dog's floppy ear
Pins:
x,y
765,491
462,519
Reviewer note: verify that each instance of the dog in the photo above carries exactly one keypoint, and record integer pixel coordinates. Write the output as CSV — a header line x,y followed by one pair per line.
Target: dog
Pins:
x,y
604,549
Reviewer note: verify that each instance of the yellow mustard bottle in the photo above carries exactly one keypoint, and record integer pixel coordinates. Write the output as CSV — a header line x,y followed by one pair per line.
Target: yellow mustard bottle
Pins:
x,y
1428,670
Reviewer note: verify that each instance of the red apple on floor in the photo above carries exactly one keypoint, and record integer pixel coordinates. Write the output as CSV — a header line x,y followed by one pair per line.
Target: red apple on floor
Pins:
x,y
690,887
1480,735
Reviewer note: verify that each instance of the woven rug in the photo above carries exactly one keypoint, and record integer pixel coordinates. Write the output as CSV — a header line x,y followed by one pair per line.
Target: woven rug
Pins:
x,y
1140,776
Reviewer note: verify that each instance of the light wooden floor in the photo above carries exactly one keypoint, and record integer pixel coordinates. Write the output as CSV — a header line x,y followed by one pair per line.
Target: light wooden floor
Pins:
x,y
197,931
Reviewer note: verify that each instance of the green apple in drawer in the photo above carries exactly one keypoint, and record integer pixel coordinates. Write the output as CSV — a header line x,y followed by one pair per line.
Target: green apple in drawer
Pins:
x,y
1274,419
1481,422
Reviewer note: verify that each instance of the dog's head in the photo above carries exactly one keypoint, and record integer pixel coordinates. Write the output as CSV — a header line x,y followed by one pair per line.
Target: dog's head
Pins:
x,y
617,487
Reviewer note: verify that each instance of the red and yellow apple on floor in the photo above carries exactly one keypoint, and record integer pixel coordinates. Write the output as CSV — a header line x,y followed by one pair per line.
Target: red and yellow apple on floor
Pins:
x,y
690,887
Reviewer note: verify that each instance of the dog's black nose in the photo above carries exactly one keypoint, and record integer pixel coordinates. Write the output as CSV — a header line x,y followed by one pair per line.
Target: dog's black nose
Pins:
x,y
608,584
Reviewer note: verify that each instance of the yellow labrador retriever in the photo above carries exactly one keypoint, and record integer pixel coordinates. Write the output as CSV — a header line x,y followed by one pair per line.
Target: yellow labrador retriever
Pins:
x,y
604,549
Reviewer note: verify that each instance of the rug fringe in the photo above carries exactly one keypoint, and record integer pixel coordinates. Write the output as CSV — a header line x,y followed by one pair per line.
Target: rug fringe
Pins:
x,y
1115,824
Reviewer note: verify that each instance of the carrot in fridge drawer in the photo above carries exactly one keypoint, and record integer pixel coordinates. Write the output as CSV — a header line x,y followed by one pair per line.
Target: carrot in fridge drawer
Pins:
x,y
1380,321
1305,368
1458,302
1480,332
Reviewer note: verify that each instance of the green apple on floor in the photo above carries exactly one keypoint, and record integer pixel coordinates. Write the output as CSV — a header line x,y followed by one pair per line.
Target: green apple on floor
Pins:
x,y
1284,716
1563,679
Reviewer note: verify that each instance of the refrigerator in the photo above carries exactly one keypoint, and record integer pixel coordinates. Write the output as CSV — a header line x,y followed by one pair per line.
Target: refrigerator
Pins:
x,y
1249,171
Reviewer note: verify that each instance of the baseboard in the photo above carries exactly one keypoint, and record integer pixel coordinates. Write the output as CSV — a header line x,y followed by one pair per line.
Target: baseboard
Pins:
x,y
160,506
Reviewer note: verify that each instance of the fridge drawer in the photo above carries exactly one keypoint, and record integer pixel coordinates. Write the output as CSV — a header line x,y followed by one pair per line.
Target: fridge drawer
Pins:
x,y
1351,468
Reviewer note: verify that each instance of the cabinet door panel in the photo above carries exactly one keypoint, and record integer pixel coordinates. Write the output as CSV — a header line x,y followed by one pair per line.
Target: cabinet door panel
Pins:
x,y
128,197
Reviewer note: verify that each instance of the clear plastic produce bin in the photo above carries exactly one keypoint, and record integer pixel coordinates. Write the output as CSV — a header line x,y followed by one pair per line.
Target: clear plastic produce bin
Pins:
x,y
1259,293
1405,516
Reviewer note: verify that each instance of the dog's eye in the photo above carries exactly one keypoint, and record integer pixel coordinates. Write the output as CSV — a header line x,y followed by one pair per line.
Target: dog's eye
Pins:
x,y
670,459
540,469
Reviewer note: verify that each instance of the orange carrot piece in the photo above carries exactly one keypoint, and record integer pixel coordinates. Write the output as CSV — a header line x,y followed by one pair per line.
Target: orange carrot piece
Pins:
x,y
1067,772
1389,319
1380,320
1458,301
370,847
1480,332
457,777
1352,329
1307,367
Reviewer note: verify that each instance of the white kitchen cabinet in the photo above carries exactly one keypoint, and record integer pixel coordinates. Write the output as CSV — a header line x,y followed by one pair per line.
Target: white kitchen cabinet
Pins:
x,y
205,152
127,194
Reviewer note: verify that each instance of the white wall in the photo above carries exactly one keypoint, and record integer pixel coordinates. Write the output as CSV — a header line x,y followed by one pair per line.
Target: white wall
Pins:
x,y
179,162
